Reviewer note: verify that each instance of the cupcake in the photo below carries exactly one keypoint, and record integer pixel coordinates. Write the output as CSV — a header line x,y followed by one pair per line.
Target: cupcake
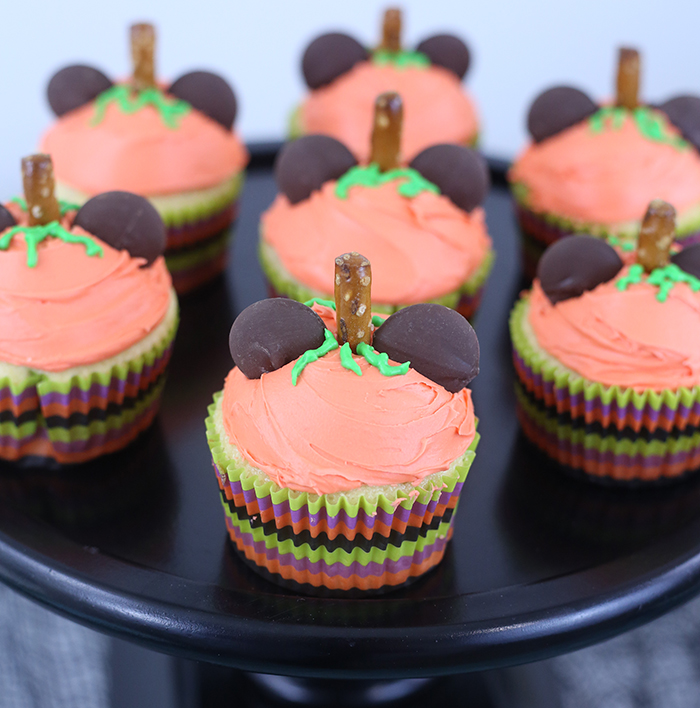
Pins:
x,y
594,168
607,356
173,144
358,493
87,318
344,79
421,226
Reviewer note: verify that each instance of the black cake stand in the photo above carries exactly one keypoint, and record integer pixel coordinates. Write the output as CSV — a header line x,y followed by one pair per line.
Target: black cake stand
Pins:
x,y
135,545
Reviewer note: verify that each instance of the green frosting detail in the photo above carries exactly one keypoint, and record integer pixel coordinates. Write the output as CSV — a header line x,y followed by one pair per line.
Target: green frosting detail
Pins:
x,y
412,181
313,355
624,245
381,361
347,361
652,124
378,320
401,59
34,235
663,278
130,101
320,301
64,207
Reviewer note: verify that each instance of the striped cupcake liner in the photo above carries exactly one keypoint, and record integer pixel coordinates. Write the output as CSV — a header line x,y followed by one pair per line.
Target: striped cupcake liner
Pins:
x,y
365,539
78,419
192,267
607,431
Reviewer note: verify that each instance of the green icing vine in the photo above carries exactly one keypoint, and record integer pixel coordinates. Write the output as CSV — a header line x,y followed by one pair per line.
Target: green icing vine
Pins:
x,y
381,361
378,320
171,110
401,59
311,355
652,124
34,235
412,181
624,245
347,360
64,207
663,278
320,301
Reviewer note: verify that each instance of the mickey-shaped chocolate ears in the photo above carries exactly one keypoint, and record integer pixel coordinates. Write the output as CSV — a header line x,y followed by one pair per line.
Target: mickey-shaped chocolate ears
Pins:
x,y
688,259
684,113
74,86
330,56
556,109
438,341
303,165
575,264
125,221
6,219
208,93
270,333
447,51
460,173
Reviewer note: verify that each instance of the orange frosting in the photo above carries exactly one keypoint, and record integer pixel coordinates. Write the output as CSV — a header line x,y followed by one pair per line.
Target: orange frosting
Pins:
x,y
420,248
73,309
608,177
354,431
626,338
138,153
437,109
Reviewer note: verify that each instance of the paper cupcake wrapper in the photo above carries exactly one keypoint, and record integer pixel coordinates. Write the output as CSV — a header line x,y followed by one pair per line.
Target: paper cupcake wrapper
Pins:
x,y
465,299
192,233
389,527
192,267
86,416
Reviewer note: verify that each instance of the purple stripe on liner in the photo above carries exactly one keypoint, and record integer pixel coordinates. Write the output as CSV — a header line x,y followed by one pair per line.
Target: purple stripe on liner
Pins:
x,y
373,568
689,239
28,392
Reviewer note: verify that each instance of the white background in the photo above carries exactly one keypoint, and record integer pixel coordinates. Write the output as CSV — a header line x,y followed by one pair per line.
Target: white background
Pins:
x,y
518,48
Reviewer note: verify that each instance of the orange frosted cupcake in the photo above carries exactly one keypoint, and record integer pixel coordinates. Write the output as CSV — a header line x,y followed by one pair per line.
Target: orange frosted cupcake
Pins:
x,y
608,356
345,79
358,493
175,145
87,319
422,226
594,169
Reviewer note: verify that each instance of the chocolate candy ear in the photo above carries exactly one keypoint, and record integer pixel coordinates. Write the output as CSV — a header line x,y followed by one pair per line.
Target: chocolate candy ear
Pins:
x,y
6,219
688,259
303,165
556,109
270,333
208,93
684,113
439,343
460,173
447,51
329,56
74,86
575,264
125,221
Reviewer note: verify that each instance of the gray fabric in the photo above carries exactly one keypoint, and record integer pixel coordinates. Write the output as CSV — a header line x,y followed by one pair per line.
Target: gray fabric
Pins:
x,y
655,666
47,661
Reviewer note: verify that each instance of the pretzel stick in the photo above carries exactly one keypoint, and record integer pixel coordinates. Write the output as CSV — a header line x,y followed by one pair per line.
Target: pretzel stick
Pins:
x,y
386,134
143,40
628,78
353,299
37,176
656,236
391,30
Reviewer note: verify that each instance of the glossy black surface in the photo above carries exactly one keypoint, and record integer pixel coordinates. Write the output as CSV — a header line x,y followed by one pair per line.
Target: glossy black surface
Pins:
x,y
135,545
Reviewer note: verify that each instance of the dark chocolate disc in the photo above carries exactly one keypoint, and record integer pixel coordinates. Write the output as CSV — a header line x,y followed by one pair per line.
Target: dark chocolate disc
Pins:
x,y
438,341
684,113
208,93
329,56
556,109
126,222
575,264
447,51
688,259
74,86
6,219
303,165
270,333
460,173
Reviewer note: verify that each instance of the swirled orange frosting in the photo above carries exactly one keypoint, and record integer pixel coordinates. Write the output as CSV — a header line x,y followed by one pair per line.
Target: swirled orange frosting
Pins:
x,y
437,109
420,248
138,153
627,338
73,309
608,177
354,430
